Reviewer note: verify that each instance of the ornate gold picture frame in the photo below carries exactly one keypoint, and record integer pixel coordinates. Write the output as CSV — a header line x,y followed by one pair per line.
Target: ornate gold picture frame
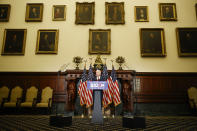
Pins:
x,y
152,42
186,41
4,12
196,10
14,42
114,13
47,41
99,41
85,13
141,13
59,13
34,12
167,12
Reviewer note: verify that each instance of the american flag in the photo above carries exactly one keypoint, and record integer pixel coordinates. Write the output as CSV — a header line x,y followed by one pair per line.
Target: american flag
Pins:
x,y
107,94
89,99
112,93
116,92
83,88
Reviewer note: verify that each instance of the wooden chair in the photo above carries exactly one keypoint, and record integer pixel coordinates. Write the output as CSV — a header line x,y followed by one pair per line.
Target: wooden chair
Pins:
x,y
192,95
15,97
31,97
4,92
46,99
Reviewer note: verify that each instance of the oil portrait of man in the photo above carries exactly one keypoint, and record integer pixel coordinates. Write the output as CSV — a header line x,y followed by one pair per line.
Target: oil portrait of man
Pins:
x,y
99,42
47,41
4,13
14,42
59,12
152,42
114,13
186,38
196,10
141,13
85,13
168,11
34,12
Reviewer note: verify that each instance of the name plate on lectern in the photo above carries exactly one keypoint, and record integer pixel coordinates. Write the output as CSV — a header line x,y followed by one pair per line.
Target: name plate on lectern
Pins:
x,y
97,85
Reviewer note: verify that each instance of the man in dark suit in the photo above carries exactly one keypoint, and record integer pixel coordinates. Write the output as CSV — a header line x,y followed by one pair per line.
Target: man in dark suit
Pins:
x,y
141,15
98,78
59,13
97,116
13,45
34,13
3,13
168,12
152,42
99,43
45,43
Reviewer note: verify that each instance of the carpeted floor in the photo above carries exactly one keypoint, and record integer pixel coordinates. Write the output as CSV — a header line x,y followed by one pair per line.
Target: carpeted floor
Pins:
x,y
41,123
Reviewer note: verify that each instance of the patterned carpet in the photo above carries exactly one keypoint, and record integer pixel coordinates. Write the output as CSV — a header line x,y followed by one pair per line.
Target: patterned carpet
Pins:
x,y
41,123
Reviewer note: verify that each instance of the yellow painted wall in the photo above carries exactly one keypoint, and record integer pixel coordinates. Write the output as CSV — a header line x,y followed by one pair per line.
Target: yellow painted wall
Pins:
x,y
73,39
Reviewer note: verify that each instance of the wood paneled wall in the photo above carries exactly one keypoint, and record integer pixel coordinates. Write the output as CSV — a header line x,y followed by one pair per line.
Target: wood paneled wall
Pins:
x,y
38,79
150,87
163,87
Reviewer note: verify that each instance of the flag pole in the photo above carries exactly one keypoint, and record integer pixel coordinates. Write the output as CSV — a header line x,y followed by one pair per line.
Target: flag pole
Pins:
x,y
112,61
83,107
90,60
85,63
105,61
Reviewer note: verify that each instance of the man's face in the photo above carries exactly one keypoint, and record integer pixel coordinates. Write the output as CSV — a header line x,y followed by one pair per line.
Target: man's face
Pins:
x,y
98,73
141,11
86,9
58,10
34,10
188,35
152,35
45,36
97,36
167,9
2,10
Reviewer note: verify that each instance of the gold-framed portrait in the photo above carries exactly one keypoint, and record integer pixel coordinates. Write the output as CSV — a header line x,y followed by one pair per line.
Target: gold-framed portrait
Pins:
x,y
99,41
167,12
14,42
4,12
196,10
85,13
114,13
59,13
141,13
152,42
34,12
186,41
47,41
